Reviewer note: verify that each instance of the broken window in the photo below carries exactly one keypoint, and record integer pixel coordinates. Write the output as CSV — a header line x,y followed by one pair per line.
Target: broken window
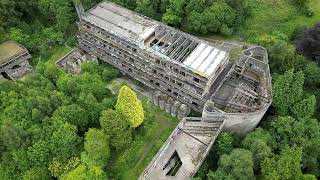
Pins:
x,y
194,103
196,79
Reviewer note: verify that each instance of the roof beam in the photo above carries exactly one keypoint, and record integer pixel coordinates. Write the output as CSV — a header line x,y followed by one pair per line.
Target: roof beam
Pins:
x,y
175,42
185,50
176,49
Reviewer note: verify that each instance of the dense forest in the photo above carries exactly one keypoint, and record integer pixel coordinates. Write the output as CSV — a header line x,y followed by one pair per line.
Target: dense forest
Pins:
x,y
54,125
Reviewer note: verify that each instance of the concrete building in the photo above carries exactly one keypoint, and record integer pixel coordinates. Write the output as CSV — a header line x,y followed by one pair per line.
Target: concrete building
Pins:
x,y
72,61
13,61
228,83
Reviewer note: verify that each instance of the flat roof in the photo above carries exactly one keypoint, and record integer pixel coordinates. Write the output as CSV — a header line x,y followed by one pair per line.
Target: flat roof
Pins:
x,y
199,56
120,21
205,59
9,49
190,141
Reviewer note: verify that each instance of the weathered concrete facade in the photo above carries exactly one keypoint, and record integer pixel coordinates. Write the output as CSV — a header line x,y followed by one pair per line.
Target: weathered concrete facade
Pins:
x,y
233,92
72,61
13,61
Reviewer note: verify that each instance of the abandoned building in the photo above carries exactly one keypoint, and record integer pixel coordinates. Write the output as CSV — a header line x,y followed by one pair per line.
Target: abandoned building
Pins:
x,y
231,90
13,61
72,61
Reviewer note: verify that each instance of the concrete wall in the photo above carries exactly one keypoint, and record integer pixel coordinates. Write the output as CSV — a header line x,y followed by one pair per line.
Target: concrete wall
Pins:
x,y
240,123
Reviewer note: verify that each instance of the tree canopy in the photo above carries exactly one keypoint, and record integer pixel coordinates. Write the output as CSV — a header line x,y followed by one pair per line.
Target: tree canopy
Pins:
x,y
130,106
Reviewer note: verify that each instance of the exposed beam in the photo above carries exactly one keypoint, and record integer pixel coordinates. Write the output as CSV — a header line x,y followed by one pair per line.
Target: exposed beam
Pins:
x,y
185,50
178,47
174,43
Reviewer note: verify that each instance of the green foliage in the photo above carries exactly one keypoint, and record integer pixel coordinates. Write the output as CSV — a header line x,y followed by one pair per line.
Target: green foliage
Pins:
x,y
219,17
258,143
287,90
116,126
73,114
304,133
224,144
305,108
237,165
284,166
145,7
174,14
86,172
130,106
96,147
312,74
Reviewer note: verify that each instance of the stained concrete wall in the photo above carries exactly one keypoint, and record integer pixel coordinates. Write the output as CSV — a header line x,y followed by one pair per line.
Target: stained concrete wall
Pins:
x,y
240,123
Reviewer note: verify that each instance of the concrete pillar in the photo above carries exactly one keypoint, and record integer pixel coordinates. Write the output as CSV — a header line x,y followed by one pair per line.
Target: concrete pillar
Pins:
x,y
156,97
162,102
175,108
183,111
169,104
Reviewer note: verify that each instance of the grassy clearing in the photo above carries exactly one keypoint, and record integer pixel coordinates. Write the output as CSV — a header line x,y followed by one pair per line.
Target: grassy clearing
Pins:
x,y
157,127
281,16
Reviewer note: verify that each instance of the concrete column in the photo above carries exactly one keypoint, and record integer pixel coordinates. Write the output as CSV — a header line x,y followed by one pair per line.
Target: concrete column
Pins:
x,y
175,108
183,111
169,104
156,97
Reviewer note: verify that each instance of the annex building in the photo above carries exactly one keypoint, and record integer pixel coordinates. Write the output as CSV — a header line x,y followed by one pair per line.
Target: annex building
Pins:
x,y
13,61
228,83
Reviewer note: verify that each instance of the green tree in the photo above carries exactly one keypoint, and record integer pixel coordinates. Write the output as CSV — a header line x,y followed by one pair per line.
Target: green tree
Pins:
x,y
97,147
312,73
86,172
145,7
174,14
259,143
73,114
130,106
305,108
284,166
116,126
224,144
237,165
287,90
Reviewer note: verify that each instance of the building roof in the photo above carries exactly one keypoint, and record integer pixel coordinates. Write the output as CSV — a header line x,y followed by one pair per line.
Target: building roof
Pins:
x,y
185,149
120,21
8,50
205,59
197,55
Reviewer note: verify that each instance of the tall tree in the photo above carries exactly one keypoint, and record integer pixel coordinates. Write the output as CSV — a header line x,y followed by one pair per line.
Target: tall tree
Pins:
x,y
287,90
285,166
305,108
116,126
130,106
97,148
237,165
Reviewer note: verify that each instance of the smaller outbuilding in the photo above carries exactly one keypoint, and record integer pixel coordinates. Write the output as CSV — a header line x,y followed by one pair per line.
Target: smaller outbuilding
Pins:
x,y
13,61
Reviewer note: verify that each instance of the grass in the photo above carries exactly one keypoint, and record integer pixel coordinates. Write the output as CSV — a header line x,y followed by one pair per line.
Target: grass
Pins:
x,y
156,129
270,16
58,52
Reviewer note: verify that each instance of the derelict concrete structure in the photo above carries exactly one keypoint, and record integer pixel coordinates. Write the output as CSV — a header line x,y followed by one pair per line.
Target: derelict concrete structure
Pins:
x,y
13,61
232,90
